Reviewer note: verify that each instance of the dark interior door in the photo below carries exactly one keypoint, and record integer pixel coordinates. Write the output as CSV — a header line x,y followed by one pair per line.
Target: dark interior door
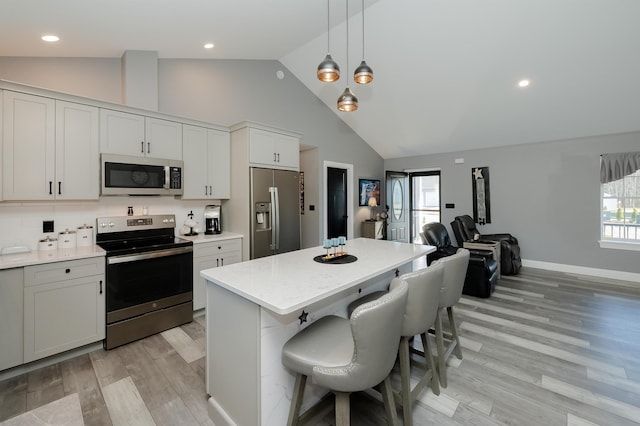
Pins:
x,y
336,202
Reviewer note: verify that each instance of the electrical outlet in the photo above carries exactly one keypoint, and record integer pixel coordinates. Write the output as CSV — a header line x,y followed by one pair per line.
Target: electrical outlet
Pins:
x,y
47,226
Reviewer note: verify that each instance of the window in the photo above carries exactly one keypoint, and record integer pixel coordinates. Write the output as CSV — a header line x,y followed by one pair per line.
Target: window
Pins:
x,y
425,201
620,207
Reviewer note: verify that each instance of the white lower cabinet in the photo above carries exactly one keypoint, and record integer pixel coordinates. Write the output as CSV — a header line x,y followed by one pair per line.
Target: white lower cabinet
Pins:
x,y
64,306
11,317
212,255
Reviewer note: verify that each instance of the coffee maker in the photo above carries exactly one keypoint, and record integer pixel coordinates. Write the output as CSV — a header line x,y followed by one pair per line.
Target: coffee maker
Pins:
x,y
212,220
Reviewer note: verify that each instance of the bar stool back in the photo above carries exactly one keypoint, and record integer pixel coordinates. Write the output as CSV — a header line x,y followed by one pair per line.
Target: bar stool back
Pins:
x,y
348,355
455,270
420,314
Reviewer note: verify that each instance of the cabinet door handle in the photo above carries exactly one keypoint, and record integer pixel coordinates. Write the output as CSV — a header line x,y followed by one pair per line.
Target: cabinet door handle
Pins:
x,y
142,147
222,261
217,262
274,157
210,190
59,188
50,188
278,157
148,147
100,286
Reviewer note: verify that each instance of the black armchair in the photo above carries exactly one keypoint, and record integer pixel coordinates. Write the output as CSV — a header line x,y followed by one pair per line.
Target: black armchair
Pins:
x,y
482,272
464,229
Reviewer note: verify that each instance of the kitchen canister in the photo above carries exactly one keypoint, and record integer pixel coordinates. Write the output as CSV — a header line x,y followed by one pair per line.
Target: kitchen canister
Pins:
x,y
48,243
84,236
66,239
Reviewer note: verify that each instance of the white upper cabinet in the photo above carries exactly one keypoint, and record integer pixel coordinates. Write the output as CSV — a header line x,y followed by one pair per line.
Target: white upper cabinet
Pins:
x,y
28,146
77,157
206,155
131,134
163,139
50,149
274,149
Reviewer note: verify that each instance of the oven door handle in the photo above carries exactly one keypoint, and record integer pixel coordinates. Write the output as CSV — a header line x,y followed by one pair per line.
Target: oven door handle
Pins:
x,y
148,255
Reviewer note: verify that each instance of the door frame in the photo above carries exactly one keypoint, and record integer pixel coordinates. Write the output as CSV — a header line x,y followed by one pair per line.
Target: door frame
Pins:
x,y
350,216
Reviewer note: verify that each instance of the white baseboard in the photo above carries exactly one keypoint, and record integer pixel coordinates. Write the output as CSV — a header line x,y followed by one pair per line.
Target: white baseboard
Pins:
x,y
583,270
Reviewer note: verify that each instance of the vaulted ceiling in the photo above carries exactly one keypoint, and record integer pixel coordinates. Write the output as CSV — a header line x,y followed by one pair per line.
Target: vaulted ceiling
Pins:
x,y
446,71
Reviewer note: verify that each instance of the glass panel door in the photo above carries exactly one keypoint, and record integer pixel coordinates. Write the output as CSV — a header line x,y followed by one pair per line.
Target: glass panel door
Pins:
x,y
425,201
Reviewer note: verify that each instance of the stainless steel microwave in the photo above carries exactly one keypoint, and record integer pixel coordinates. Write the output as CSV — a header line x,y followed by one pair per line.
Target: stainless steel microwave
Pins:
x,y
127,175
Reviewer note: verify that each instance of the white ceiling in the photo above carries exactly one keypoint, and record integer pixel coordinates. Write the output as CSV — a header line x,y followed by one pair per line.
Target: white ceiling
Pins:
x,y
446,71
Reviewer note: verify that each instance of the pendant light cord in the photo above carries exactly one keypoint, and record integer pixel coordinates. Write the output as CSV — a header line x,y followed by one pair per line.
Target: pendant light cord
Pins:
x,y
328,41
347,3
363,30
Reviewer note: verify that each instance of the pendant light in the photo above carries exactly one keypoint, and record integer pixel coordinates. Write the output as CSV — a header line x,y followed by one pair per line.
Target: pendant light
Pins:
x,y
364,73
347,102
328,70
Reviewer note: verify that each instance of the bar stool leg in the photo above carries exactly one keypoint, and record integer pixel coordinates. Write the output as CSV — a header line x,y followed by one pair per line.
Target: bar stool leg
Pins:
x,y
435,385
342,409
442,374
389,403
405,373
454,333
296,399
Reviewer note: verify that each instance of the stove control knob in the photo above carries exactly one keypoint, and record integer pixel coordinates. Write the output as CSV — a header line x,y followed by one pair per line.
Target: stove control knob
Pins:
x,y
102,225
165,220
111,224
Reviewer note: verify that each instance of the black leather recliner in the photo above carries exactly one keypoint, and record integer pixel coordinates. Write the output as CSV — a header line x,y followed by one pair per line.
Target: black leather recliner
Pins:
x,y
464,229
482,272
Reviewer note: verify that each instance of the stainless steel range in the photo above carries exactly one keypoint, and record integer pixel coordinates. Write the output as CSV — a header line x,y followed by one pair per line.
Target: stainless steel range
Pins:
x,y
149,276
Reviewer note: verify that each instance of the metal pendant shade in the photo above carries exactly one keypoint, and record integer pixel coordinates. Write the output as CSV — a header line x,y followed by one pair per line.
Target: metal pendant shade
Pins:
x,y
363,74
328,70
347,102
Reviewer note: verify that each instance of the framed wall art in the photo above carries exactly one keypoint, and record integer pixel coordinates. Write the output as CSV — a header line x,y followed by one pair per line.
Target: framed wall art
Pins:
x,y
367,189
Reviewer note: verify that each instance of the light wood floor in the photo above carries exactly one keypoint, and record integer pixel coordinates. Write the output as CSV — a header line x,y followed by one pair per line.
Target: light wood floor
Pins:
x,y
546,349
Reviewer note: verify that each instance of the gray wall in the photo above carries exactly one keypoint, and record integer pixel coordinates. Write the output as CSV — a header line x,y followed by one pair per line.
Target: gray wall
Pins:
x,y
546,194
222,92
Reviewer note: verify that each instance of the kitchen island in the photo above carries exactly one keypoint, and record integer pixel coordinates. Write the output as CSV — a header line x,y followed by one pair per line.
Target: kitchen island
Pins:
x,y
254,307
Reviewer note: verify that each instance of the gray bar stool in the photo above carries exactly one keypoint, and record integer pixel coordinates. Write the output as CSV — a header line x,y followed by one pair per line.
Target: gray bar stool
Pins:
x,y
455,271
348,355
425,286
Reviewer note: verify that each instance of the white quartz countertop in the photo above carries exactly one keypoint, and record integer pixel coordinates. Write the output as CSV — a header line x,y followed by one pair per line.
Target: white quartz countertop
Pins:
x,y
288,282
202,238
36,257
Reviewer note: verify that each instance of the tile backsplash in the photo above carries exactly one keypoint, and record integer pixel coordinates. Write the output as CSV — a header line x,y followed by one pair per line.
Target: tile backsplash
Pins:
x,y
21,222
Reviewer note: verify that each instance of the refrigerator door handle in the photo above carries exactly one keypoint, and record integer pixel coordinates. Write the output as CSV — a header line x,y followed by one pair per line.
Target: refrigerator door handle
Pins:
x,y
277,218
273,218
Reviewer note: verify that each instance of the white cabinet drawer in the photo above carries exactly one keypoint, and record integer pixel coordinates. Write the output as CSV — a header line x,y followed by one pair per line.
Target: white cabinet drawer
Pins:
x,y
216,247
59,271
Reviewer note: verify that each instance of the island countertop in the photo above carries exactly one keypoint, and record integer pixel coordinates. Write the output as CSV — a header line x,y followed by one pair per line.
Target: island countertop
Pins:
x,y
287,282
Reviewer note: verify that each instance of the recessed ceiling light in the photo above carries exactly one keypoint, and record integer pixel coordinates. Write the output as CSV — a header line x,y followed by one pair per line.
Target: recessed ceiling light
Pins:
x,y
523,83
208,46
50,38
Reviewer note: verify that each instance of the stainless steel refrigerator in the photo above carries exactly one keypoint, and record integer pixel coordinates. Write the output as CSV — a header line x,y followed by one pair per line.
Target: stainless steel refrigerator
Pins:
x,y
275,211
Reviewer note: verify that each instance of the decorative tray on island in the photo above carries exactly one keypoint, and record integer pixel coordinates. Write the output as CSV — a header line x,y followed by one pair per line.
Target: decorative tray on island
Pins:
x,y
338,258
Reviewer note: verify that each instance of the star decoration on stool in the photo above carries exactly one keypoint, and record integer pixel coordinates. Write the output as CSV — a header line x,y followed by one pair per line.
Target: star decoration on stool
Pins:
x,y
303,317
